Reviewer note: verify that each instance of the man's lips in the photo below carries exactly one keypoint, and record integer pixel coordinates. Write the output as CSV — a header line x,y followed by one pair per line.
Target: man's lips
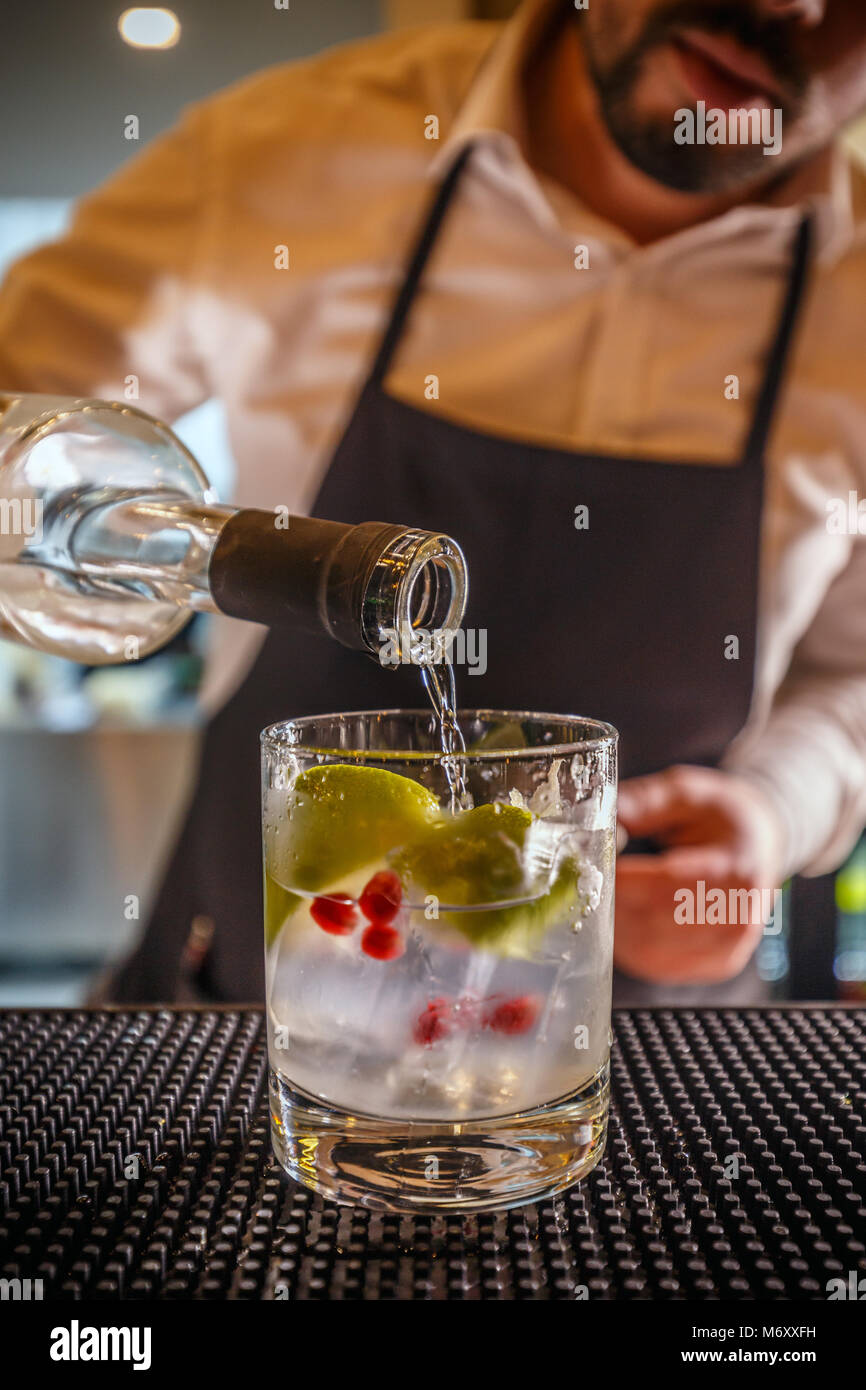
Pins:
x,y
719,70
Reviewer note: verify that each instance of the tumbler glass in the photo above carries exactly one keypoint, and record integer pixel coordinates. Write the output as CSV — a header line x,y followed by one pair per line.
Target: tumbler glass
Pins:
x,y
439,966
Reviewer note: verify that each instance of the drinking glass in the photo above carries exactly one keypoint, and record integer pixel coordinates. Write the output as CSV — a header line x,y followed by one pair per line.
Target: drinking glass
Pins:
x,y
439,977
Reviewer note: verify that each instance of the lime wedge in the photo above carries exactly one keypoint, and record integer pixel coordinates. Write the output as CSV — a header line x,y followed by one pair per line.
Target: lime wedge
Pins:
x,y
339,818
475,858
279,902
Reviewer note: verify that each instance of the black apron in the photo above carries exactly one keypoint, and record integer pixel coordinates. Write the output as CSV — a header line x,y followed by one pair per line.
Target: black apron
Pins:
x,y
625,621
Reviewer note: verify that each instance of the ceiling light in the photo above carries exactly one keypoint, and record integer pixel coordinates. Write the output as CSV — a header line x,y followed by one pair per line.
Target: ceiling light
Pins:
x,y
145,28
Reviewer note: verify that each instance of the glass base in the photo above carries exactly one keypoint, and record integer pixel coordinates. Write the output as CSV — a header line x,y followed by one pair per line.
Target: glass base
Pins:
x,y
428,1167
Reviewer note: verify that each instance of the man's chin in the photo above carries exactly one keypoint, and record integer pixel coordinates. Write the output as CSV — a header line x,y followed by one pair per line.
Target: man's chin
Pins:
x,y
690,169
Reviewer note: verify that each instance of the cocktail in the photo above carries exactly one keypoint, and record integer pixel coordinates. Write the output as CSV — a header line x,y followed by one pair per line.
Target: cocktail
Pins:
x,y
438,935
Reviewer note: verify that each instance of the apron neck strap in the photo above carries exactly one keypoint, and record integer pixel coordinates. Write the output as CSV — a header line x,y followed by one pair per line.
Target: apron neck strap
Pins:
x,y
418,261
777,360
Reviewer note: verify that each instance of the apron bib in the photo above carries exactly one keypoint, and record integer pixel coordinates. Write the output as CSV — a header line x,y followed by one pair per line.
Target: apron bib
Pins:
x,y
624,621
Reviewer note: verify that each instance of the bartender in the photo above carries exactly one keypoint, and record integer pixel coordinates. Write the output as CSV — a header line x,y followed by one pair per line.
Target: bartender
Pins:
x,y
585,290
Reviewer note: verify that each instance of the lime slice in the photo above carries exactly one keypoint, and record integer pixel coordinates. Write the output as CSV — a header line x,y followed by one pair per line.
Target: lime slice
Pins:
x,y
339,818
279,902
476,857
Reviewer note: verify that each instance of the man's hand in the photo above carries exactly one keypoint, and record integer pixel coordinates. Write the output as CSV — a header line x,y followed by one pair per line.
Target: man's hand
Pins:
x,y
712,826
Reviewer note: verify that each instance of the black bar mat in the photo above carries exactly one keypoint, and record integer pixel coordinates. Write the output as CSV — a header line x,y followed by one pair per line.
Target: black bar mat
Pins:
x,y
135,1163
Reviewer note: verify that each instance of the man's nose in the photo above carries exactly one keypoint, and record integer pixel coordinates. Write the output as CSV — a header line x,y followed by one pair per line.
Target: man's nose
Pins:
x,y
809,13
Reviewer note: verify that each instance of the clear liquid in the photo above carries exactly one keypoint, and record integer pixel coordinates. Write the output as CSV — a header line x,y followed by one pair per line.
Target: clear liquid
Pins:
x,y
345,1027
107,482
114,575
441,686
351,1026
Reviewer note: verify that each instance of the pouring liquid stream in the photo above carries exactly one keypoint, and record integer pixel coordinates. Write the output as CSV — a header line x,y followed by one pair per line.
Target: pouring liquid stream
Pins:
x,y
441,686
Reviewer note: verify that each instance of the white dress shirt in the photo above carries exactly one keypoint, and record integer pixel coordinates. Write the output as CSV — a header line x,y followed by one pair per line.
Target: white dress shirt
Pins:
x,y
169,274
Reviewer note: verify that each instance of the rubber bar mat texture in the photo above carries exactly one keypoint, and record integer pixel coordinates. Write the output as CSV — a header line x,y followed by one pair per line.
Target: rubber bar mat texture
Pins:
x,y
135,1163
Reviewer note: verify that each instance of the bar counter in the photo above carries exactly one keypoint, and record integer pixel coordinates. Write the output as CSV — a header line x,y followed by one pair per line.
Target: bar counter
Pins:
x,y
135,1163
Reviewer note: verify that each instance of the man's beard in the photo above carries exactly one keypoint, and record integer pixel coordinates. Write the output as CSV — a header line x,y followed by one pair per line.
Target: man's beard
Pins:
x,y
648,142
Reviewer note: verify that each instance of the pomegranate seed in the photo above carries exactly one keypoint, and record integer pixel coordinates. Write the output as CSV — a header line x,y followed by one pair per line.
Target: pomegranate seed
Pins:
x,y
382,942
433,1023
381,898
336,914
514,1015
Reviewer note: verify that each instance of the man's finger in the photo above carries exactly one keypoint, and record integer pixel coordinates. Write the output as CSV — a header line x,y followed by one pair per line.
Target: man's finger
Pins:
x,y
648,805
681,866
665,800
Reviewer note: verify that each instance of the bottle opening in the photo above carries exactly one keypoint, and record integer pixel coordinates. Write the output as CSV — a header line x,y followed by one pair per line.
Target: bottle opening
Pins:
x,y
419,582
433,594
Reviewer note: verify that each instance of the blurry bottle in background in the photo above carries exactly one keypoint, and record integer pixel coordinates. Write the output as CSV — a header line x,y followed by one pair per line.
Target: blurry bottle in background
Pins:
x,y
849,965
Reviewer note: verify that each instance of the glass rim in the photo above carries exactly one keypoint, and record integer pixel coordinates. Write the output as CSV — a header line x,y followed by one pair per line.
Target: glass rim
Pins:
x,y
607,736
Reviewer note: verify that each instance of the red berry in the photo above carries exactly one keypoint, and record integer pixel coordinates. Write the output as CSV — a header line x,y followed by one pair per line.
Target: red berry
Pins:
x,y
514,1015
380,900
382,942
434,1023
335,914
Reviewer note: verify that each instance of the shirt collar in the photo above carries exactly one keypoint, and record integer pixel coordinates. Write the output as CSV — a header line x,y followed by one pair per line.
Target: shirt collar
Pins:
x,y
494,104
492,119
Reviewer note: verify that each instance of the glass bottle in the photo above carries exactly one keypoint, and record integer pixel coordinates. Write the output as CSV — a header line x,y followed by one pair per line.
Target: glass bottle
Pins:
x,y
111,538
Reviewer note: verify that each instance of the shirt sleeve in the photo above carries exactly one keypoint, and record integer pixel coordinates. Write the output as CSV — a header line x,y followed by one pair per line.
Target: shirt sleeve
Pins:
x,y
810,754
105,310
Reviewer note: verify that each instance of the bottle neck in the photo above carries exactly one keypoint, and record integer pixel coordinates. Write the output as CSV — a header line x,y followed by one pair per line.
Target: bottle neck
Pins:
x,y
366,585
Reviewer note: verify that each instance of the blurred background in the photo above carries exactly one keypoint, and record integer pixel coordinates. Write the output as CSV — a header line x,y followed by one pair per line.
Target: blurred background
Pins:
x,y
75,845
